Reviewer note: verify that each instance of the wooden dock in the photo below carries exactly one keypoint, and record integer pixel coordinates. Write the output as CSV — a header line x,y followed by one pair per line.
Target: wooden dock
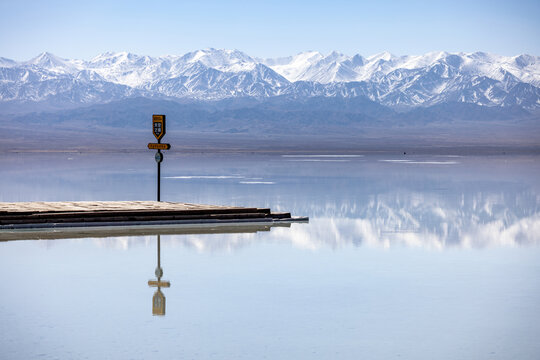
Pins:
x,y
136,230
72,214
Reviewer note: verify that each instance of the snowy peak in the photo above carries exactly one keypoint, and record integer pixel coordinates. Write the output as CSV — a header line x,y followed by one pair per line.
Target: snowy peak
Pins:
x,y
385,56
292,67
308,57
46,59
357,60
404,81
220,59
337,67
128,69
118,58
5,62
52,63
312,66
524,61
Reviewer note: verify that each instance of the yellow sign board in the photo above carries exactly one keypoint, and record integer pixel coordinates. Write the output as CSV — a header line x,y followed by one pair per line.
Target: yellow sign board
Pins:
x,y
156,146
158,303
159,283
158,126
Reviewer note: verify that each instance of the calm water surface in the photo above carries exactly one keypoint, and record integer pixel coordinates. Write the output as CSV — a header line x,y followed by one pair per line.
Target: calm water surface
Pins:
x,y
405,257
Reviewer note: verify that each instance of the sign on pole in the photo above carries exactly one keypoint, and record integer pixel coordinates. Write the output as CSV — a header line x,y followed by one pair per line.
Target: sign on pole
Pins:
x,y
158,146
158,126
158,129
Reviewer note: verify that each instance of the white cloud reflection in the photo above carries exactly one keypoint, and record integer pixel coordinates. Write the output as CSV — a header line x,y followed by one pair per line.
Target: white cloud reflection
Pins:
x,y
398,228
433,218
342,232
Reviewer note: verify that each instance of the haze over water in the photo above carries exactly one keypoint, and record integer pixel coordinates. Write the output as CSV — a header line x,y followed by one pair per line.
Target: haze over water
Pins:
x,y
405,256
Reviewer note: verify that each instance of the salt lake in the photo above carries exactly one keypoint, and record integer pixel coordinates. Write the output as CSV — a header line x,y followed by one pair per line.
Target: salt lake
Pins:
x,y
405,256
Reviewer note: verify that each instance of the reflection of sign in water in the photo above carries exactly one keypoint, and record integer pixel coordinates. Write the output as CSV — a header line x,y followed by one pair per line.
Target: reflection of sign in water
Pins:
x,y
158,303
158,300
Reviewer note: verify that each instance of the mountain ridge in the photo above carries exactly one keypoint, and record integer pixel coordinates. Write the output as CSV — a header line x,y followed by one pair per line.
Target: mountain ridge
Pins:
x,y
408,81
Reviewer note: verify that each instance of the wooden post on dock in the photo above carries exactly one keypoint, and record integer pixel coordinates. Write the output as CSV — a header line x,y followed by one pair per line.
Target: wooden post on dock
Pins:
x,y
158,129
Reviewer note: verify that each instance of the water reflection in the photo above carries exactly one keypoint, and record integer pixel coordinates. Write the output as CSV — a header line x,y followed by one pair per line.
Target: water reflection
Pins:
x,y
269,299
372,200
115,236
158,300
427,220
435,220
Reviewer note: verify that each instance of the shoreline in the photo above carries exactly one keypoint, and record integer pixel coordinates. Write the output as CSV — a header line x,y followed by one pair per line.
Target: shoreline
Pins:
x,y
463,150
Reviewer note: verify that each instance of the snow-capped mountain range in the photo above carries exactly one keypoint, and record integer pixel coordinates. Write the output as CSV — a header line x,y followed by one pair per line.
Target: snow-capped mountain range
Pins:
x,y
213,74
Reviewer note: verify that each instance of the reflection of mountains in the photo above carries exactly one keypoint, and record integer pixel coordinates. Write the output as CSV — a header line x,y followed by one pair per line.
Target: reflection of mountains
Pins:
x,y
406,219
416,219
469,220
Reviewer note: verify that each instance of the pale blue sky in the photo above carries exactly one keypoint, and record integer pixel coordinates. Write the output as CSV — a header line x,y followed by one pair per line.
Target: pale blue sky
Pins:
x,y
73,29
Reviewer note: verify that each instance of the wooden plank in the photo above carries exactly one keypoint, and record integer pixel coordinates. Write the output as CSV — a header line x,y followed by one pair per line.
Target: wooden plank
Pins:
x,y
82,218
67,206
39,207
101,213
119,231
124,212
29,215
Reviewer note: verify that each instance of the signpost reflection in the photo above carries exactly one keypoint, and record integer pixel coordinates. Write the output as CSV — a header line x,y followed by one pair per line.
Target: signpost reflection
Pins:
x,y
158,300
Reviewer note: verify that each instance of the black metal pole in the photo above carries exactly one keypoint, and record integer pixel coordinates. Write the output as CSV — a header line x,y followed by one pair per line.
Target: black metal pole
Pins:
x,y
158,179
159,251
159,174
